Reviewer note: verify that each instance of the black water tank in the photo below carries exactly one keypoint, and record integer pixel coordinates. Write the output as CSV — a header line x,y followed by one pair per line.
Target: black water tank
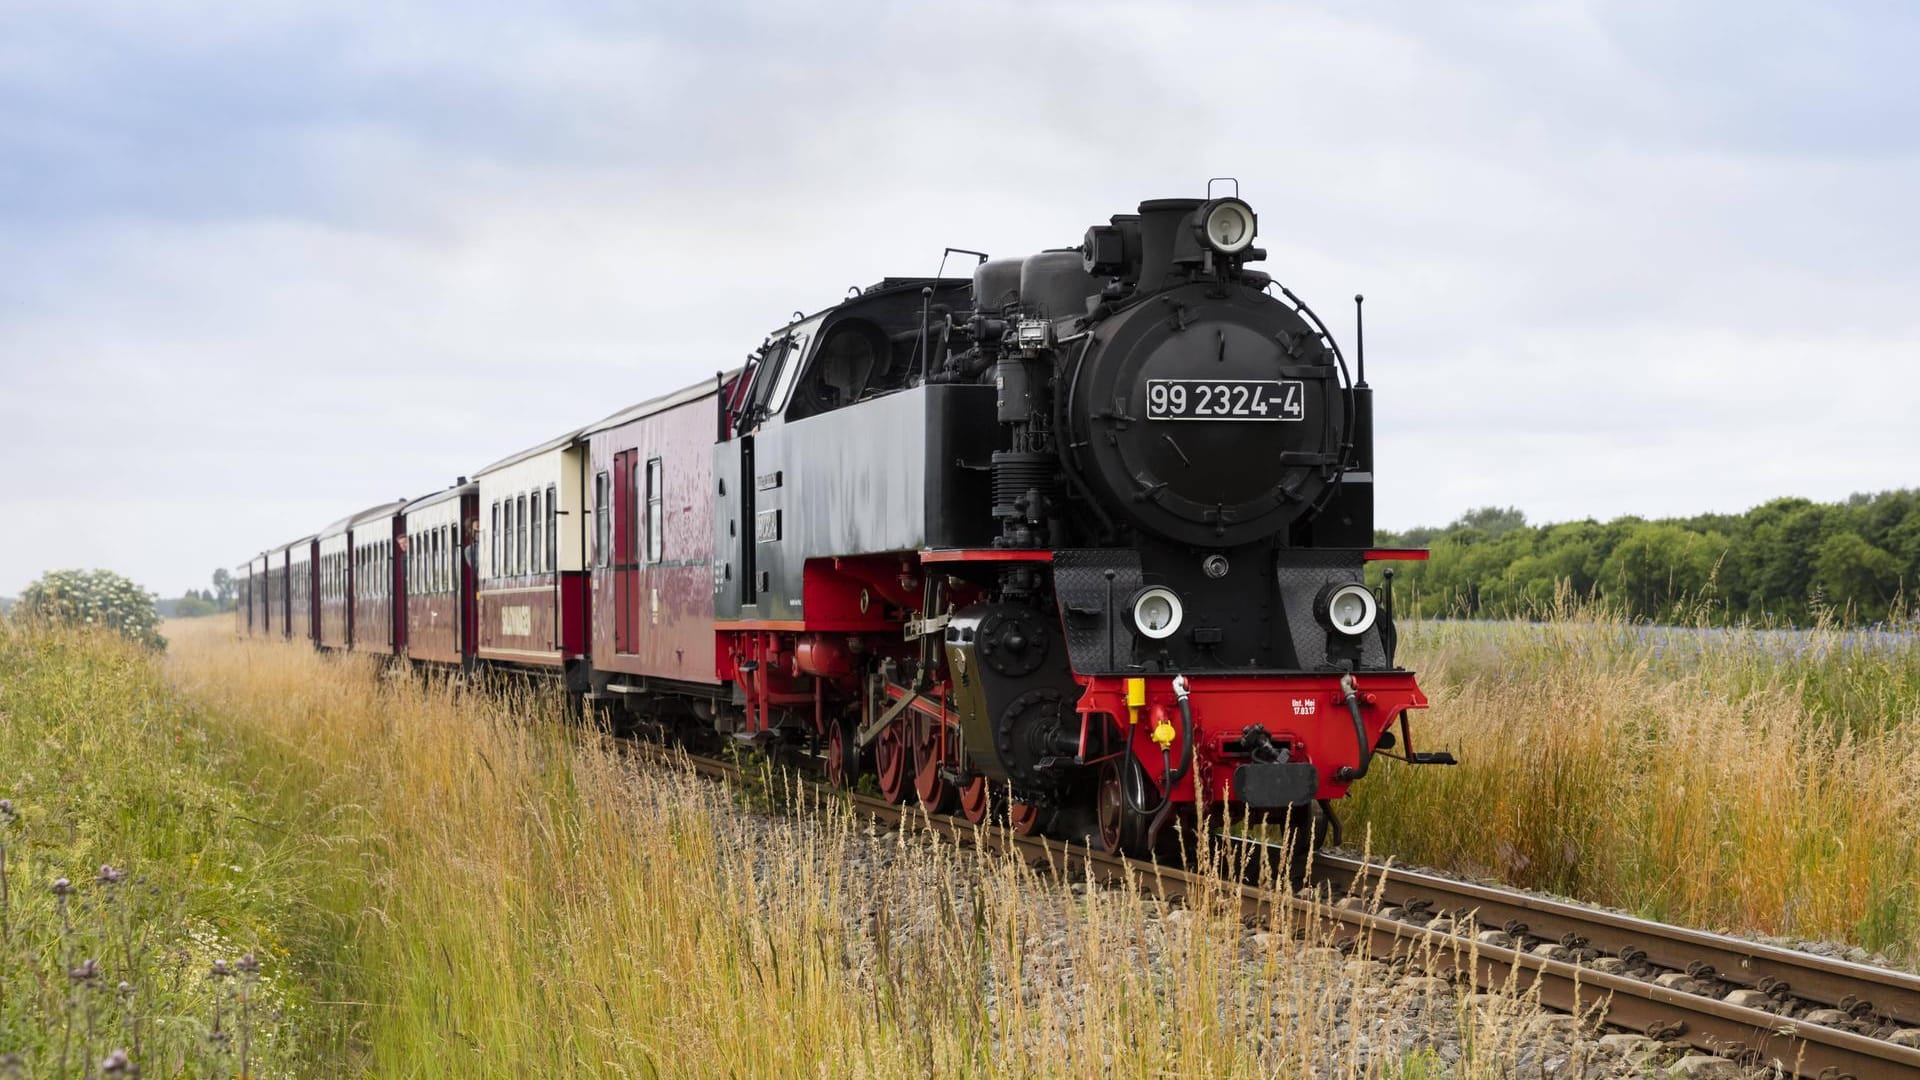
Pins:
x,y
996,284
1055,284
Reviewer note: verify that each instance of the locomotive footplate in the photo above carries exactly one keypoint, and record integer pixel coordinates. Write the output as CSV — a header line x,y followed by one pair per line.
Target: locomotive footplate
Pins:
x,y
1286,783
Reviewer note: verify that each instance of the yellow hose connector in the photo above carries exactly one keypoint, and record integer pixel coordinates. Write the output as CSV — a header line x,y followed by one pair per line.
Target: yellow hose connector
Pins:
x,y
1136,697
1163,734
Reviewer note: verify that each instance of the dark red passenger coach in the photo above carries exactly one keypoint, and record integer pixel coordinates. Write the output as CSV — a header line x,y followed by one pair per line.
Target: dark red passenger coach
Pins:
x,y
435,575
651,471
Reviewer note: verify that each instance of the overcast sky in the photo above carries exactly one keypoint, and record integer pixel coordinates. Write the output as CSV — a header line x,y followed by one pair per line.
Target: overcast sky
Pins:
x,y
265,264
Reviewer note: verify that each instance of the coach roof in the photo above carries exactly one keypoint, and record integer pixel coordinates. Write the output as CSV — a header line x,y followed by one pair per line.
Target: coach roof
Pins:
x,y
375,513
544,448
660,404
440,496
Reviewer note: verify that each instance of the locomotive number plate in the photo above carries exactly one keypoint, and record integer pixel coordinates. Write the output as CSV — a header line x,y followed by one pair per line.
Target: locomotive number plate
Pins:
x,y
1226,399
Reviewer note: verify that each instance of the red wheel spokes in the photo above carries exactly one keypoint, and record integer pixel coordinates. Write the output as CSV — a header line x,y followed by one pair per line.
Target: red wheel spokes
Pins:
x,y
935,791
891,762
837,772
974,801
1024,818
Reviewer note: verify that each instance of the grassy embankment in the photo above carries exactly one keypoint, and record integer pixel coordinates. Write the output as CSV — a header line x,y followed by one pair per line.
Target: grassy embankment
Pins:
x,y
1754,780
439,884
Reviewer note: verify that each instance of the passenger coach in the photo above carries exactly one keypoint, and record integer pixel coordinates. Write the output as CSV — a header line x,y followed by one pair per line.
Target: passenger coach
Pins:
x,y
530,604
373,579
436,575
652,549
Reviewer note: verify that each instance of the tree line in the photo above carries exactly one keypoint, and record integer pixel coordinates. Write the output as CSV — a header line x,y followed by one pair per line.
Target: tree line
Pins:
x,y
197,602
1789,561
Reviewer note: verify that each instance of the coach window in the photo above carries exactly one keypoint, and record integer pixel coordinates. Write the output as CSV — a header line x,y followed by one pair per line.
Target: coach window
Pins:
x,y
443,566
656,479
494,566
513,541
539,535
600,519
520,521
553,530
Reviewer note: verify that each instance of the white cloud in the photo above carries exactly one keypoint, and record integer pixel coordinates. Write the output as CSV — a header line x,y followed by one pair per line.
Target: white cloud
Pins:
x,y
357,253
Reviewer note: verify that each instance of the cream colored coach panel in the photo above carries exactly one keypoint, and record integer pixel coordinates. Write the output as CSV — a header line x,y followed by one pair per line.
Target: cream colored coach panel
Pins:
x,y
558,467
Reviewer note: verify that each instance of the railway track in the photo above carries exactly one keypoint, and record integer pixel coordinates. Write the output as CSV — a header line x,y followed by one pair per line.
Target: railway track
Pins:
x,y
1760,1005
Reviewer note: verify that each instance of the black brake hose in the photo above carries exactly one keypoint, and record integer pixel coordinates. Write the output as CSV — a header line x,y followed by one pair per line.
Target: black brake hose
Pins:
x,y
1348,772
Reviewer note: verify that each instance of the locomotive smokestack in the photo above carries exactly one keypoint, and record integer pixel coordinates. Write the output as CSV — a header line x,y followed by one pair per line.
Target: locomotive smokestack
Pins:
x,y
1160,224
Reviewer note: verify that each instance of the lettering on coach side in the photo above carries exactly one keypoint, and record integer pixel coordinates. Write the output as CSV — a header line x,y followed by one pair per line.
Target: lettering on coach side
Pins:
x,y
516,621
1305,706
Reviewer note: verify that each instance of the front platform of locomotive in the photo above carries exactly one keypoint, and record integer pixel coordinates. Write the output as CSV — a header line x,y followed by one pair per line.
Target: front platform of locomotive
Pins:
x,y
1190,445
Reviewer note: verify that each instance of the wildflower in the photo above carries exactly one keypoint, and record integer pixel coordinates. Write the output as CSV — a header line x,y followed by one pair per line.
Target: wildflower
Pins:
x,y
116,1063
6,810
125,988
110,876
61,886
221,970
248,964
88,971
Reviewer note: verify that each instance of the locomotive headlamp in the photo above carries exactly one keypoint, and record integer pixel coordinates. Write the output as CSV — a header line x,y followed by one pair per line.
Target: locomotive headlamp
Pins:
x,y
1157,612
1227,225
1349,608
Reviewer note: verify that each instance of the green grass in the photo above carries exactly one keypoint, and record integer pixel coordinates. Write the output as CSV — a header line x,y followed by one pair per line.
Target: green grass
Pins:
x,y
106,766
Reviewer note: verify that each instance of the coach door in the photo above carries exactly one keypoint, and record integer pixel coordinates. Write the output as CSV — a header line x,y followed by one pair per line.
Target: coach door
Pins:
x,y
626,509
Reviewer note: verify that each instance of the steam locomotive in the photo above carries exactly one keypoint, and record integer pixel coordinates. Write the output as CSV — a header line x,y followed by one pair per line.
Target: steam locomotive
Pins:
x,y
1078,542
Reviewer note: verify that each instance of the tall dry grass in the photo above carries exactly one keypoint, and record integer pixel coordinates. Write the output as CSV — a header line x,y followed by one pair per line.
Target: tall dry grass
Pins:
x,y
1753,780
529,902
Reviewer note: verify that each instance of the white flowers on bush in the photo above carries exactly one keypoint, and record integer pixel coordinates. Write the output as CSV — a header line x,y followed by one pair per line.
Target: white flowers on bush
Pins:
x,y
93,597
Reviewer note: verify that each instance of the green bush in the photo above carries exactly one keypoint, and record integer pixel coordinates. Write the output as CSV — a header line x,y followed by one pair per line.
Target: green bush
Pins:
x,y
96,598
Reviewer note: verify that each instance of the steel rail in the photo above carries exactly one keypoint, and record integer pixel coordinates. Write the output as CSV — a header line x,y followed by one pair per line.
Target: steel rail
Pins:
x,y
1749,1035
1860,989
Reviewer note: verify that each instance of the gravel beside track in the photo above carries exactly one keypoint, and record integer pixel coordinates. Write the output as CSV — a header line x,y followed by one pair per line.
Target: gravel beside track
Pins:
x,y
1448,960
